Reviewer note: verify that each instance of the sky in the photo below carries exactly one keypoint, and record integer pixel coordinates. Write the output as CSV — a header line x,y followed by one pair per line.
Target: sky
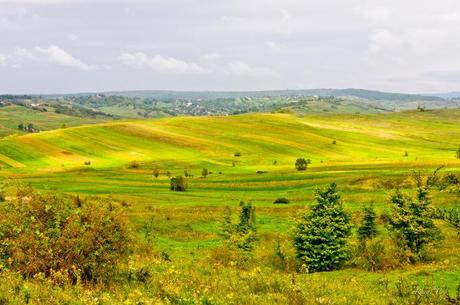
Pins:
x,y
65,46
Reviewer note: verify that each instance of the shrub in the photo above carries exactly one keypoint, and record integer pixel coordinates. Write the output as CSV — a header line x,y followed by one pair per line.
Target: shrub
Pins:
x,y
237,154
178,184
368,228
204,172
156,173
301,164
334,142
281,200
43,233
411,219
320,237
134,164
458,152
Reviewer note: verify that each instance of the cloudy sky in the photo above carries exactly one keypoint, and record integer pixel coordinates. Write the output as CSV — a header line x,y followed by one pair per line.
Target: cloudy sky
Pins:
x,y
56,46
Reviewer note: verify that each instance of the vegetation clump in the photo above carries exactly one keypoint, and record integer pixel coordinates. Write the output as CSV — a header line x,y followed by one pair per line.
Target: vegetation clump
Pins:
x,y
178,184
368,228
411,219
281,200
301,164
320,236
44,233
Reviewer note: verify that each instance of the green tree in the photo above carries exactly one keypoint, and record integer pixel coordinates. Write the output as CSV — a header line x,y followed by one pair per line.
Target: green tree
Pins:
x,y
368,228
178,184
411,218
156,173
204,172
320,237
458,152
301,164
246,228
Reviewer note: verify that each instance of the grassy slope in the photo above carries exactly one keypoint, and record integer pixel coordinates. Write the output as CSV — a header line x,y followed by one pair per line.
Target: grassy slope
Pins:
x,y
11,116
367,161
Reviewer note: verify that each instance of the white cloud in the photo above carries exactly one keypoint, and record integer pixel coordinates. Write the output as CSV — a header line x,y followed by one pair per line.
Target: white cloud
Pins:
x,y
162,64
240,68
58,56
382,38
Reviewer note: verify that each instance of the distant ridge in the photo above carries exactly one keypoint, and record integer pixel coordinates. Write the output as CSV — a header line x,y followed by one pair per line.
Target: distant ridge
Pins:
x,y
357,93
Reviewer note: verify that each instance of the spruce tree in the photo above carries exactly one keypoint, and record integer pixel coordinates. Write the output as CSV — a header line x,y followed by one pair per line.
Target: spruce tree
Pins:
x,y
368,228
320,238
412,218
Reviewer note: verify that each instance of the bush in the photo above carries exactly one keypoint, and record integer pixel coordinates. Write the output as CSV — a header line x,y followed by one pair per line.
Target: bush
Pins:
x,y
281,200
204,172
458,152
87,163
43,233
320,237
134,164
178,184
156,173
301,164
237,154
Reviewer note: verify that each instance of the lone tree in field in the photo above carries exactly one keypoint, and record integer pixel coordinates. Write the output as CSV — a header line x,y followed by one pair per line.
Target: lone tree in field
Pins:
x,y
458,152
320,236
301,164
368,228
156,173
412,218
178,184
204,172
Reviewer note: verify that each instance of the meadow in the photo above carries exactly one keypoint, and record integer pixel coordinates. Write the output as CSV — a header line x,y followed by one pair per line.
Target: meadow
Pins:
x,y
250,158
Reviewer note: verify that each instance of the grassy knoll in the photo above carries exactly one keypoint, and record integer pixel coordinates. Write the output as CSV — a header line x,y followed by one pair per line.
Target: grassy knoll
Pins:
x,y
11,116
183,247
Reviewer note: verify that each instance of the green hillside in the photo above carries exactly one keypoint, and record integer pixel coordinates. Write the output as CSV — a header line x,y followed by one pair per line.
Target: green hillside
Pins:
x,y
13,115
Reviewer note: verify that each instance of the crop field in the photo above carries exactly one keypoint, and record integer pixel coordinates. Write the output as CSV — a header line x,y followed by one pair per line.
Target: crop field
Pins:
x,y
250,158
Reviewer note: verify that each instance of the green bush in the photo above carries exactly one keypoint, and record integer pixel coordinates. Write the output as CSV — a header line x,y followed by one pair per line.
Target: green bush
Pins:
x,y
178,184
320,237
301,164
281,200
44,233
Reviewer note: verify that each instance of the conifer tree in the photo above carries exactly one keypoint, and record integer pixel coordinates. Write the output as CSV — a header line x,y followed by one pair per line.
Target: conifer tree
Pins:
x,y
320,237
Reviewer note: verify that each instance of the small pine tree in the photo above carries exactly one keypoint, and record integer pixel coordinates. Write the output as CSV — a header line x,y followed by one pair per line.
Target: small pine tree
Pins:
x,y
204,172
320,237
368,228
301,164
227,226
411,218
246,228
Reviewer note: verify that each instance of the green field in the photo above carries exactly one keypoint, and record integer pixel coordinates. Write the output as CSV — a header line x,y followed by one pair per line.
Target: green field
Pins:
x,y
11,116
367,155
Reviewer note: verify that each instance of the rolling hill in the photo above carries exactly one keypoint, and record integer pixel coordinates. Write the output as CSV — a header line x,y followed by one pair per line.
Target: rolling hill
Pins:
x,y
261,138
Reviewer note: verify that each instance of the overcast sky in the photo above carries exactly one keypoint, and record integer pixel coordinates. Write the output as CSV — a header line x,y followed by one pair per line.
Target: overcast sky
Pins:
x,y
56,46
